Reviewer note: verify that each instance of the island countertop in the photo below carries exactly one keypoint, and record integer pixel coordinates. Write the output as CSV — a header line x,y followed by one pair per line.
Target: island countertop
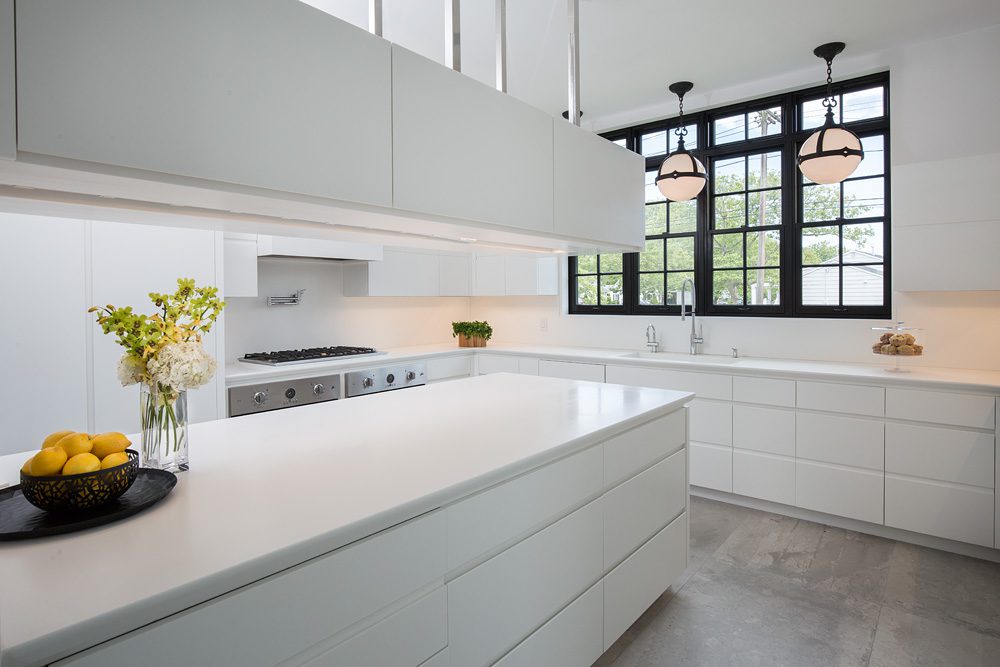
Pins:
x,y
269,491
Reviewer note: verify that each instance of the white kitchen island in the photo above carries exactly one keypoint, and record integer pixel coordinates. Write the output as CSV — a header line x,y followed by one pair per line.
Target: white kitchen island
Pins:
x,y
502,518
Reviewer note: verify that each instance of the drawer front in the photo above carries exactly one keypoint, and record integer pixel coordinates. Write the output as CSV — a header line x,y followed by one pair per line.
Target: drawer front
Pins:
x,y
764,476
442,659
703,385
310,602
767,391
444,368
764,429
407,638
638,508
572,638
637,449
489,519
941,407
712,466
943,454
842,440
497,363
527,366
631,587
494,606
571,370
711,421
962,513
851,492
849,398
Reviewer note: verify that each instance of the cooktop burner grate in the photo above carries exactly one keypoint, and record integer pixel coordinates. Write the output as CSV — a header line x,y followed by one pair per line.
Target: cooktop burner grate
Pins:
x,y
306,355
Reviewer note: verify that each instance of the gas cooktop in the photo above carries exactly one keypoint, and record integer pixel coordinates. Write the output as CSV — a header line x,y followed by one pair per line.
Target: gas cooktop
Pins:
x,y
284,357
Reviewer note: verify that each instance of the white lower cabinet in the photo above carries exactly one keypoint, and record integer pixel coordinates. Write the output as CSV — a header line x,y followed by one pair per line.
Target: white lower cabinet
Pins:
x,y
944,454
834,489
769,430
571,370
953,511
497,363
635,450
848,441
712,466
447,368
712,421
765,476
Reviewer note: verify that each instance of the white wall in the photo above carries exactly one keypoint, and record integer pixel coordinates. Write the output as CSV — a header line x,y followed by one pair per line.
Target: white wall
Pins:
x,y
327,317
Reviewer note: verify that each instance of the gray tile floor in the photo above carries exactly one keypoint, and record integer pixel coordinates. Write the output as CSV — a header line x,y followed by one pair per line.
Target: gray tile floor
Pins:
x,y
764,589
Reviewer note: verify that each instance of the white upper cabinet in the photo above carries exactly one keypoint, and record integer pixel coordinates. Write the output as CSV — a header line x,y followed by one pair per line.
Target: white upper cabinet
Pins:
x,y
239,265
531,276
598,188
464,150
400,273
455,275
276,95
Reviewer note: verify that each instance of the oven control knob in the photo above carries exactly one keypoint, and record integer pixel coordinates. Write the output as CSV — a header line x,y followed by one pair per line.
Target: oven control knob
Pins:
x,y
260,398
410,376
367,382
289,393
318,389
390,378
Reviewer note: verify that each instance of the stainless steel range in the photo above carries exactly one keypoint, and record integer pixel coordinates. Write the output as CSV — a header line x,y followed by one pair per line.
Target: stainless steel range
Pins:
x,y
308,355
389,378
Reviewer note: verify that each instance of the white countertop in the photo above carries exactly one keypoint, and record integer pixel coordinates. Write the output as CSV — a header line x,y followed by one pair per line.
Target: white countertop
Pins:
x,y
272,490
954,379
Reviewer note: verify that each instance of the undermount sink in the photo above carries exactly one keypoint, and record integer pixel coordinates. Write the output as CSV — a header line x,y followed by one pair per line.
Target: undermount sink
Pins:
x,y
681,357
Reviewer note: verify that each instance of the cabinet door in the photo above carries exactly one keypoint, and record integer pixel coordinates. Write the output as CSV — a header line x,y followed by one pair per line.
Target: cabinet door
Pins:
x,y
840,490
240,262
572,638
938,407
764,429
455,276
764,476
571,370
521,276
491,276
703,385
712,466
43,346
443,122
176,88
404,273
497,363
129,262
712,421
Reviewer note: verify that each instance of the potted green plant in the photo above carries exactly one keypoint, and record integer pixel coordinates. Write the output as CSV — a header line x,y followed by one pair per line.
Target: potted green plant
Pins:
x,y
471,334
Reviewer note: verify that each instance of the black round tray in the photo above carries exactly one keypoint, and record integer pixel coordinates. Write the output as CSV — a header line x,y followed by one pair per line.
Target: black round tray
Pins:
x,y
20,520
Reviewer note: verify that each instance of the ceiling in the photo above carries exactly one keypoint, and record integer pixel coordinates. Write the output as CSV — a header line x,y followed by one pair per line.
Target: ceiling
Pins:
x,y
631,49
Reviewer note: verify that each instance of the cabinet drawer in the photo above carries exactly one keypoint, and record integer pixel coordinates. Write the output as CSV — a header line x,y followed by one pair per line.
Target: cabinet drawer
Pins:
x,y
527,366
637,449
962,513
310,602
572,638
711,421
764,429
850,398
712,466
494,606
497,363
487,520
443,368
943,454
442,659
839,490
842,440
571,370
641,506
703,385
764,476
631,587
407,638
767,391
941,408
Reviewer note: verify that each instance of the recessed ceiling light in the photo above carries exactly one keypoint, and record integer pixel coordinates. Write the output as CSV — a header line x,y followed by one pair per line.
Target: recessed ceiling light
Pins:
x,y
467,239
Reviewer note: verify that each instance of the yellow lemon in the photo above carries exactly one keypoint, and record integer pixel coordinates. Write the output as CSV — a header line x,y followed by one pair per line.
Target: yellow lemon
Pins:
x,y
109,443
53,438
114,459
85,462
48,462
75,443
26,468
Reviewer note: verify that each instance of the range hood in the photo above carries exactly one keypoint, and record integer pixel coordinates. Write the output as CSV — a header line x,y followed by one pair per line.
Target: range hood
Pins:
x,y
287,246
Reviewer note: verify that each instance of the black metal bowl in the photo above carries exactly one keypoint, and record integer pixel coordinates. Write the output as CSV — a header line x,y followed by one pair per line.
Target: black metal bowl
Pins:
x,y
85,491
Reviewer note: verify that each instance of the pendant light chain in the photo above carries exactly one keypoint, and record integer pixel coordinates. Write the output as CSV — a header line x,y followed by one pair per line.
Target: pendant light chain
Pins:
x,y
681,131
830,102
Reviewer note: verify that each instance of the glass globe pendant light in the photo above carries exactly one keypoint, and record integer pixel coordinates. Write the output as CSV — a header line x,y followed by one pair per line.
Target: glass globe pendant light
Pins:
x,y
832,152
682,175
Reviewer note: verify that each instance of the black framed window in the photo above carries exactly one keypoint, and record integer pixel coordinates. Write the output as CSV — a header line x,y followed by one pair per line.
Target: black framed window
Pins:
x,y
760,240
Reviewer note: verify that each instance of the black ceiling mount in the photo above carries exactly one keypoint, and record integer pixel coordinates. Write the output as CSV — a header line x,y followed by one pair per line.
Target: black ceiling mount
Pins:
x,y
565,114
829,51
680,88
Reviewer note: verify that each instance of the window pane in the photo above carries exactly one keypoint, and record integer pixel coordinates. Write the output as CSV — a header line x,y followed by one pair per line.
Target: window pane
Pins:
x,y
651,289
820,202
820,245
764,123
651,258
680,253
863,285
873,163
821,286
731,128
765,208
654,143
656,219
863,104
764,287
727,288
683,216
675,283
863,243
727,250
586,264
730,211
619,142
864,198
611,263
690,139
766,163
586,291
652,192
814,113
611,290
730,174
764,248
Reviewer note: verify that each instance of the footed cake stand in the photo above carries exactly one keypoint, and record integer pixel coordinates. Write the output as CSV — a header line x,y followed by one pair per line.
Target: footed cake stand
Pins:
x,y
896,366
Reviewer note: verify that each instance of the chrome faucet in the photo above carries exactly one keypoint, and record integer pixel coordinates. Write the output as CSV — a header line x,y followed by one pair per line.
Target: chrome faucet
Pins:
x,y
696,338
651,342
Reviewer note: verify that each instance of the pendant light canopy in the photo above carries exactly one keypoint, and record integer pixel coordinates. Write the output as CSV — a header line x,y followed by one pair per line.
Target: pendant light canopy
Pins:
x,y
682,175
833,152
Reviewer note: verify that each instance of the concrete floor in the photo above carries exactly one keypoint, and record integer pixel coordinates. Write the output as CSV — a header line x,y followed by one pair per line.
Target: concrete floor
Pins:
x,y
764,589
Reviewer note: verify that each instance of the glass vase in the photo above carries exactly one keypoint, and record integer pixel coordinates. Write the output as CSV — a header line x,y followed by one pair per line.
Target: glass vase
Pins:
x,y
163,415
